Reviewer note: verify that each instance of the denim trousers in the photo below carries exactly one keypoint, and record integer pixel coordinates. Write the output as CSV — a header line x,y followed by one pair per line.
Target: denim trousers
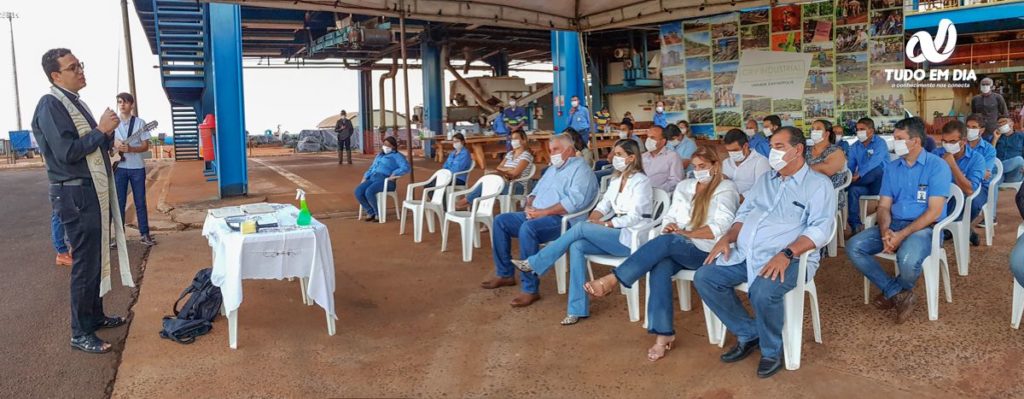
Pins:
x,y
57,233
531,233
137,179
366,193
868,184
863,247
581,240
717,287
1017,261
1011,172
662,257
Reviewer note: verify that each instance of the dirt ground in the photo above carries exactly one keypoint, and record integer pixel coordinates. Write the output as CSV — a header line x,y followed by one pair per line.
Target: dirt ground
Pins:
x,y
413,322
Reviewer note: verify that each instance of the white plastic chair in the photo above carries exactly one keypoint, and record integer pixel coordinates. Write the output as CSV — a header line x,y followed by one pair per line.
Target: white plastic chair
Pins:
x,y
988,211
867,220
1018,294
430,205
793,326
605,180
839,240
481,212
960,228
506,200
684,282
933,264
382,202
562,264
455,178
640,236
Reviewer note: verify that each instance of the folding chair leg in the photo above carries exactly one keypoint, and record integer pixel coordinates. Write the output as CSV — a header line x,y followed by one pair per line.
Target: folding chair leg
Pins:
x,y
382,207
793,329
467,241
944,263
633,302
305,291
931,282
1018,305
560,274
812,292
331,330
417,225
685,298
444,235
401,221
302,290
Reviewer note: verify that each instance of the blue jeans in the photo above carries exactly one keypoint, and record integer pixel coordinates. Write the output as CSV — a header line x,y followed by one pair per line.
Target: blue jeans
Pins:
x,y
531,233
366,193
1011,169
717,287
868,184
976,204
1017,261
603,172
863,247
479,191
581,240
137,179
662,257
60,243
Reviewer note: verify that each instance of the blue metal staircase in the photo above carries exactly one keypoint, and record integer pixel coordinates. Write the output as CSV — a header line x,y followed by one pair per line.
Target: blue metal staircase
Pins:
x,y
180,33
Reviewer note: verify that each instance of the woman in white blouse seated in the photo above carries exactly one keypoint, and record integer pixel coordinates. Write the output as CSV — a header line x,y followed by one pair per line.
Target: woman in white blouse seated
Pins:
x,y
627,203
703,209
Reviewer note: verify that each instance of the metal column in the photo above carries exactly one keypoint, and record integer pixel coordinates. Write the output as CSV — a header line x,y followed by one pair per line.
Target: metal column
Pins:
x,y
433,91
226,63
366,109
566,56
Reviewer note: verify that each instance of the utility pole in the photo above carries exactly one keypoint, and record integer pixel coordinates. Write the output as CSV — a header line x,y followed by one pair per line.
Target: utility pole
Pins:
x,y
14,62
128,52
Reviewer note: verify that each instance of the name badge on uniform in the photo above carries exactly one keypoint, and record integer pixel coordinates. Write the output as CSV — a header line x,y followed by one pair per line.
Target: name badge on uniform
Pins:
x,y
922,193
871,151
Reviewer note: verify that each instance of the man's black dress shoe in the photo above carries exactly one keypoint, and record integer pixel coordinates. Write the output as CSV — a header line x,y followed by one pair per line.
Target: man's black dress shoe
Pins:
x,y
739,352
768,367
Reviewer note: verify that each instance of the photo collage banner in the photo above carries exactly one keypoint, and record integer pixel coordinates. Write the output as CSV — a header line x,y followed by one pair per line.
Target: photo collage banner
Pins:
x,y
852,42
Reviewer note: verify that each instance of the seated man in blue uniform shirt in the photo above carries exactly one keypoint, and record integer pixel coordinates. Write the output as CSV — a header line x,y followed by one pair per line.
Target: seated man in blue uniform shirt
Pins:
x,y
967,167
759,142
866,159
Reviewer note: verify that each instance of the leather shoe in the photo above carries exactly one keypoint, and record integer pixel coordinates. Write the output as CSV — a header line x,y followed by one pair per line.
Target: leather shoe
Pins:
x,y
523,300
768,367
882,303
739,352
904,302
498,282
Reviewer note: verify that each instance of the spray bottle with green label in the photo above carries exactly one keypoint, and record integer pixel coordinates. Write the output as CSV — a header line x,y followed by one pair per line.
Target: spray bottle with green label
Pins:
x,y
304,216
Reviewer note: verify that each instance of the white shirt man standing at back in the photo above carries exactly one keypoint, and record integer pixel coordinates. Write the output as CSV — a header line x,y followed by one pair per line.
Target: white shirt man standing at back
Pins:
x,y
744,166
132,141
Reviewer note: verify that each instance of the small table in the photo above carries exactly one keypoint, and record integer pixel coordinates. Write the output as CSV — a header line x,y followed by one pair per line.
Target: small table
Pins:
x,y
285,252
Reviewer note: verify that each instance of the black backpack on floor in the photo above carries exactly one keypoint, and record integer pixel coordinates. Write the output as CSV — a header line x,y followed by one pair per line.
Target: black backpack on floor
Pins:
x,y
196,316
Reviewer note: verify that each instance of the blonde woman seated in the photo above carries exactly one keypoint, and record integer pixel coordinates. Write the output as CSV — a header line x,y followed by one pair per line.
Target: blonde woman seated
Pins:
x,y
515,166
627,203
702,211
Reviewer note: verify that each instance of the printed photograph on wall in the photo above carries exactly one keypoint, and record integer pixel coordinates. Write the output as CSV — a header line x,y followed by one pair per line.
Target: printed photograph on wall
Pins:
x,y
698,94
878,80
727,49
673,84
850,96
754,17
818,107
675,116
811,10
887,104
789,41
724,97
817,30
849,119
851,67
702,115
703,130
819,81
698,68
756,108
725,73
825,9
675,103
786,18
726,120
754,36
697,42
880,4
787,105
671,33
851,39
822,55
850,12
725,29
887,50
672,56
696,25
887,22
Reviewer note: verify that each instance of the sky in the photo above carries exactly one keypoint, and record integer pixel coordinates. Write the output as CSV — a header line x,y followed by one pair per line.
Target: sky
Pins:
x,y
295,99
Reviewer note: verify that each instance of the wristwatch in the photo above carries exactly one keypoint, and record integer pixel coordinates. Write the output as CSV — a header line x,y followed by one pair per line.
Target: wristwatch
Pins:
x,y
787,252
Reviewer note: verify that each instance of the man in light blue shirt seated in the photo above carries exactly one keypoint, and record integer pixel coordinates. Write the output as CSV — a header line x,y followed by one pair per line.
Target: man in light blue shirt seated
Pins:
x,y
760,141
682,144
967,167
866,160
912,199
789,211
579,118
568,186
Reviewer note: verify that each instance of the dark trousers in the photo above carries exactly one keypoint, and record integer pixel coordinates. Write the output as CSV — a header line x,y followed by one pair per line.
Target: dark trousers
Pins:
x,y
345,147
137,179
79,212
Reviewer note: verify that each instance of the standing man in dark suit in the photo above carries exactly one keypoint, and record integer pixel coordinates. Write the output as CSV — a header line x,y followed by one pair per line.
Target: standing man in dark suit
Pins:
x,y
344,129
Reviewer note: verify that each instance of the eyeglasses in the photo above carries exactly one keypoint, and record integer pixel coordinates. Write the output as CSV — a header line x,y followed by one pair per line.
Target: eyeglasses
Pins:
x,y
77,67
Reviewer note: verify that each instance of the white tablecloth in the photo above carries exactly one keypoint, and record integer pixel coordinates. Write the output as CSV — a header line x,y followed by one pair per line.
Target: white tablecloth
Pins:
x,y
303,252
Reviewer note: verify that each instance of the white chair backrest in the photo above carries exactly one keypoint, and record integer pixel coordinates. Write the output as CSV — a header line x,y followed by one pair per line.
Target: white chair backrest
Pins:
x,y
997,177
442,179
847,180
661,202
531,170
492,186
956,195
604,184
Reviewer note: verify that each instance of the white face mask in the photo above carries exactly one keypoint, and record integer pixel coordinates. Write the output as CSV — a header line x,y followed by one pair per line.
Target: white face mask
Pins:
x,y
737,156
702,176
575,104
674,143
682,130
986,89
387,150
512,103
767,132
557,161
623,135
817,136
900,147
750,132
619,163
516,144
951,148
1004,129
776,159
457,146
659,109
651,144
973,134
862,135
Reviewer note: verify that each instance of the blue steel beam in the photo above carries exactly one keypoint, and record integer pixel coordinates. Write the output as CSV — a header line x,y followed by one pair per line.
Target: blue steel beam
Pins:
x,y
568,75
966,15
433,90
229,102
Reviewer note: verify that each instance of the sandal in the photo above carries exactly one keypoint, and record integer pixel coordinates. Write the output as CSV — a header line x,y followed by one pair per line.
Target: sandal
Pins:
x,y
112,322
90,344
600,287
570,320
659,350
522,265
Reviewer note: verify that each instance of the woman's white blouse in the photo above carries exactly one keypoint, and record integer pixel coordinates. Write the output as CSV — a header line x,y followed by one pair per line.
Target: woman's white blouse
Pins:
x,y
630,206
721,212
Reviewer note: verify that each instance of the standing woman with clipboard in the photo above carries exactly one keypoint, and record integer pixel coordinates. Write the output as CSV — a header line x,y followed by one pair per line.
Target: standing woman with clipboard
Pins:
x,y
132,140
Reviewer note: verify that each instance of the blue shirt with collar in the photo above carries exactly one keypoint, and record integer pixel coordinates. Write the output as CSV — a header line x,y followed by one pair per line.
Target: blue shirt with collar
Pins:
x,y
574,185
972,165
458,161
579,120
905,184
988,152
686,148
387,165
864,157
514,116
1009,145
761,144
499,126
777,211
660,120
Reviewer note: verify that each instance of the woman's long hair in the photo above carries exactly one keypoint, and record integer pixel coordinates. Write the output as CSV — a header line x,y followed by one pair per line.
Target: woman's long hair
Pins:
x,y
702,200
630,147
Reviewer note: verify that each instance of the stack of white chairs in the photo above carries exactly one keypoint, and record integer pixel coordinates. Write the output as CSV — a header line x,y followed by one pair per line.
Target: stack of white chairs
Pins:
x,y
508,200
429,206
382,201
481,212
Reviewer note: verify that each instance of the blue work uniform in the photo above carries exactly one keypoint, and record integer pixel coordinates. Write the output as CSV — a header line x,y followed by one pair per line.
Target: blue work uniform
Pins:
x,y
660,120
513,117
579,120
866,159
761,144
972,165
458,161
384,166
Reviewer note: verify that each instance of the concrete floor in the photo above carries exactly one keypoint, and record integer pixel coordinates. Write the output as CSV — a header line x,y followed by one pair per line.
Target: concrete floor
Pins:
x,y
413,322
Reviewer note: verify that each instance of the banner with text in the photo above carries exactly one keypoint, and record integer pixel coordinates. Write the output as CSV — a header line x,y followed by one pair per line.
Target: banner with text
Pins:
x,y
773,74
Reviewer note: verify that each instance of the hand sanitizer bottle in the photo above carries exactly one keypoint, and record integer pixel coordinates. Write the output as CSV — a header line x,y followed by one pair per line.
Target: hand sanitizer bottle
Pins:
x,y
304,216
